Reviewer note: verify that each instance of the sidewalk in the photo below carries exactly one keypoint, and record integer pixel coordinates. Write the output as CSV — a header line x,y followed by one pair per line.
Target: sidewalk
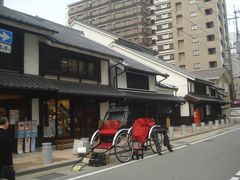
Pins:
x,y
32,162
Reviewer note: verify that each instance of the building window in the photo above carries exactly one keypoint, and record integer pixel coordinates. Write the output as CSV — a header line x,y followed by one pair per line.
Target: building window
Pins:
x,y
207,0
196,53
196,65
193,14
181,57
211,51
194,27
191,87
166,57
195,39
182,66
192,1
165,36
208,11
178,6
211,37
137,81
209,24
180,44
180,32
212,64
179,19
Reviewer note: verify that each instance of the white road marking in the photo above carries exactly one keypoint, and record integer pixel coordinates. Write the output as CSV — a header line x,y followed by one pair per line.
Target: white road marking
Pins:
x,y
234,178
238,173
120,165
214,136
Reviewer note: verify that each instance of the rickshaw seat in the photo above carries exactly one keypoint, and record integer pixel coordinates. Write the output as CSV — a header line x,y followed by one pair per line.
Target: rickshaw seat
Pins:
x,y
140,129
109,127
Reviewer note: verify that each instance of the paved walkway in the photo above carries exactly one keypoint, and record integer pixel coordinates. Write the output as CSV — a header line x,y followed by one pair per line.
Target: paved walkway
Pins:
x,y
31,162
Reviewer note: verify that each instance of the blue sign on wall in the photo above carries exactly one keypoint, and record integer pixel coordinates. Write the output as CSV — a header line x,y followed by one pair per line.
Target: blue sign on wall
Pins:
x,y
6,36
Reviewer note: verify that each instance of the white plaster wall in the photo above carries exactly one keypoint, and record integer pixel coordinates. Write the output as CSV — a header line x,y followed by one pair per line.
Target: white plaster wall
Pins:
x,y
93,34
31,54
104,73
185,109
35,109
104,107
177,80
122,80
174,78
152,86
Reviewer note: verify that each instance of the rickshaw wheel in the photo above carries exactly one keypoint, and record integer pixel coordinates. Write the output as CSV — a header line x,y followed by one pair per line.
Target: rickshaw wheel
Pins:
x,y
156,141
123,147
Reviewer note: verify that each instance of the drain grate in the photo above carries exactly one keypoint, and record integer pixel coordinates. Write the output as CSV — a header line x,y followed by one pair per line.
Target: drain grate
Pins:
x,y
50,176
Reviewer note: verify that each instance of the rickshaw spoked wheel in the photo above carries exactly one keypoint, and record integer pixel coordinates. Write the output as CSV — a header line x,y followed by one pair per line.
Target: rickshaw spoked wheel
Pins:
x,y
123,147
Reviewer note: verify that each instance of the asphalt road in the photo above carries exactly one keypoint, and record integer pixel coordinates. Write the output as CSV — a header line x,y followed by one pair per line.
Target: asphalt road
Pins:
x,y
212,156
215,158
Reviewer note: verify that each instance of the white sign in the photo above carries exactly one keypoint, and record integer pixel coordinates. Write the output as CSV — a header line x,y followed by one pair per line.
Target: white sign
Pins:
x,y
13,116
5,48
235,112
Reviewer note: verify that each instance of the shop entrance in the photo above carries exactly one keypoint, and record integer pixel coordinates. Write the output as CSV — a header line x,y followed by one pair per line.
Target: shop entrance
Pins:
x,y
86,119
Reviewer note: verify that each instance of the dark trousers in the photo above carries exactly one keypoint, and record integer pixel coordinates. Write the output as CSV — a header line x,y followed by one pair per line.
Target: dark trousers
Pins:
x,y
7,172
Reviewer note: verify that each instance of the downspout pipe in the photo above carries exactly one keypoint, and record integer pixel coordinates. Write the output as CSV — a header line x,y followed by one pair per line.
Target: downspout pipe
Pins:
x,y
114,78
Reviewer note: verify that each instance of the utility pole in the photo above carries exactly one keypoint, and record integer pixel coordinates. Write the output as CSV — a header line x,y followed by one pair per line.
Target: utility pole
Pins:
x,y
237,32
235,18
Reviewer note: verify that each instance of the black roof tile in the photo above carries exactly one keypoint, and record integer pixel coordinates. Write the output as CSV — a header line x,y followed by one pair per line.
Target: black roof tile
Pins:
x,y
34,82
73,38
153,96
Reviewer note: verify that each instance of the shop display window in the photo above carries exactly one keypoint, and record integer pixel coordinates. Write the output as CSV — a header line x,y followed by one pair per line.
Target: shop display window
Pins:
x,y
64,118
49,123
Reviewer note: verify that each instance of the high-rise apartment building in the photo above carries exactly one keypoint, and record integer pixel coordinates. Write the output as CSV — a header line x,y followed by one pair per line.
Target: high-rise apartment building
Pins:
x,y
1,2
192,34
126,18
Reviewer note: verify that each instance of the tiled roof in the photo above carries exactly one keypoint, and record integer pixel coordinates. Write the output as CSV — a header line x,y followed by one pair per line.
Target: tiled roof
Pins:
x,y
134,65
34,82
174,67
73,38
74,88
203,98
23,18
63,34
211,73
23,81
153,96
120,40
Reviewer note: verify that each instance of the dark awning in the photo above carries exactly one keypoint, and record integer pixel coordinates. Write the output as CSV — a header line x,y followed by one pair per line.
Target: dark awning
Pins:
x,y
75,88
38,83
25,82
153,96
203,99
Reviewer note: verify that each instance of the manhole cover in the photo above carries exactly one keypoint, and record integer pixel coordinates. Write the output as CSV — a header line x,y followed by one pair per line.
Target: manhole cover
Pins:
x,y
50,176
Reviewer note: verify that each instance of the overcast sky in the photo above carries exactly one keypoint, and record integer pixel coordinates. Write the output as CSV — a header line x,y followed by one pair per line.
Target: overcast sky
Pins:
x,y
56,10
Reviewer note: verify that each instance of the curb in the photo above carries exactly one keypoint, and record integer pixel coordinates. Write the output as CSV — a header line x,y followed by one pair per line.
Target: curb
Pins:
x,y
45,167
199,133
71,162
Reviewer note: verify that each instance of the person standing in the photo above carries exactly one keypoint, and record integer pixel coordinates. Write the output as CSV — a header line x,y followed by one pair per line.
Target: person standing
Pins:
x,y
6,160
